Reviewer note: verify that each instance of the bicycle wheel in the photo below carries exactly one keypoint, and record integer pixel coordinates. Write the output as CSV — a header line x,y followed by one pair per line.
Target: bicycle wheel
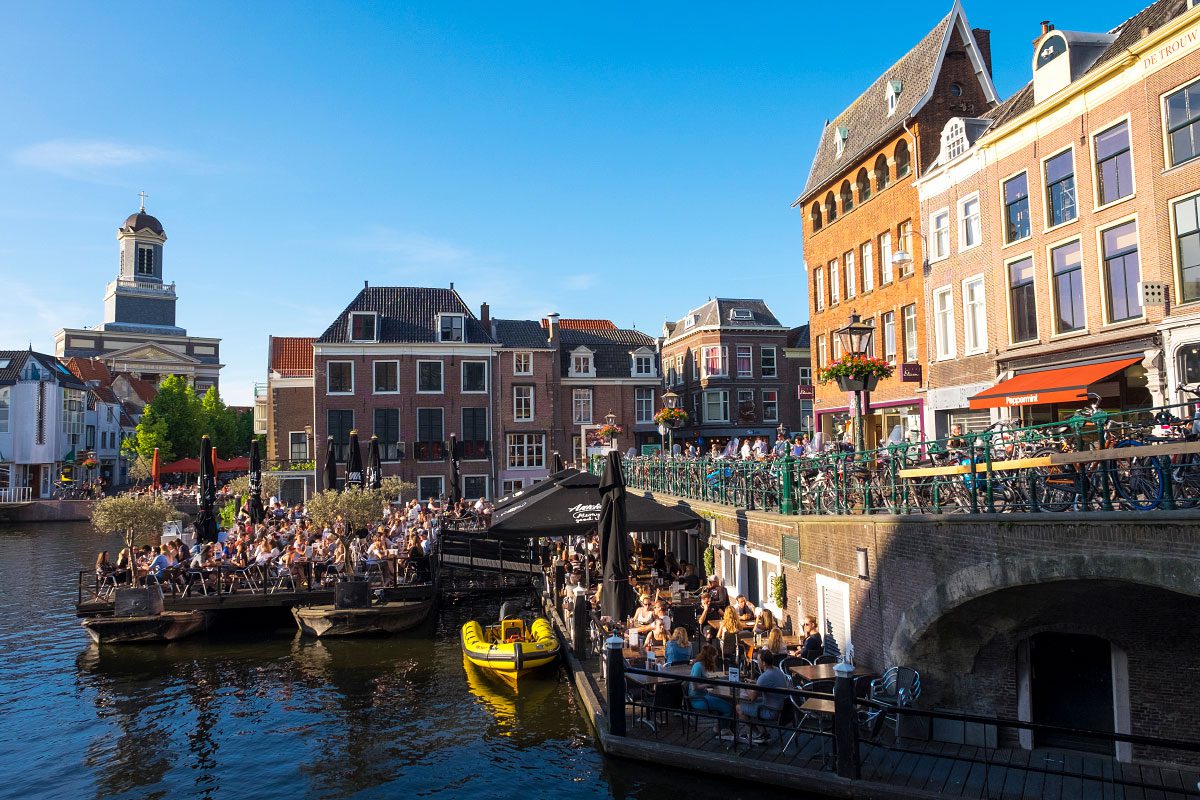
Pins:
x,y
1055,486
1185,476
1138,480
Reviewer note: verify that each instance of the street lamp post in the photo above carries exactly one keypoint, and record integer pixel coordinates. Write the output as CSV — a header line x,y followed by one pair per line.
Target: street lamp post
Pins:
x,y
611,420
856,340
671,401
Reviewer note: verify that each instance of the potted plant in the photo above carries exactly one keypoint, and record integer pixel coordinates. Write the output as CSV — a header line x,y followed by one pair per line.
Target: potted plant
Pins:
x,y
779,591
855,373
608,431
671,417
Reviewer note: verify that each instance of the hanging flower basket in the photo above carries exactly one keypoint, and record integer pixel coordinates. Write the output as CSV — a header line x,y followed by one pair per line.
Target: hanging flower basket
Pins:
x,y
671,417
867,384
608,432
90,463
855,373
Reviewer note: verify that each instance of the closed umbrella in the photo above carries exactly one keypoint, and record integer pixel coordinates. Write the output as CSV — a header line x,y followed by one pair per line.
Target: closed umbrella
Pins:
x,y
354,465
557,463
329,474
617,596
455,489
206,522
374,466
154,471
257,512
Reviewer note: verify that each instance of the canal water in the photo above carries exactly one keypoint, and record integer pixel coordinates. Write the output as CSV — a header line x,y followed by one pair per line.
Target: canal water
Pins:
x,y
266,714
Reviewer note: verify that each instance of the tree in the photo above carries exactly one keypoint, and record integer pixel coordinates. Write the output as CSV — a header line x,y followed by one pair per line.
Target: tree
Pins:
x,y
142,468
176,418
346,513
133,516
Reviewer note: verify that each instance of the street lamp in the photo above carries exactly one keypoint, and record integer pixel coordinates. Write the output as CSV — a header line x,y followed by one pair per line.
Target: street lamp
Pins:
x,y
610,419
902,258
671,401
856,340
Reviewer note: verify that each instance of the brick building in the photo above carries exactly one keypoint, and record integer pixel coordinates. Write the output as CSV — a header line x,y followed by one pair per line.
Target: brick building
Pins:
x,y
527,400
862,225
726,361
1072,197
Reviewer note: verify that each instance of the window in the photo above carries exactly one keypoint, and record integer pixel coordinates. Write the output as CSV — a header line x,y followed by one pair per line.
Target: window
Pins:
x,y
695,365
840,135
1122,272
450,328
816,217
522,404
430,428
1183,124
830,208
1022,301
837,347
822,351
474,376
643,365
889,336
940,222
1016,208
429,377
581,364
475,486
909,317
745,359
1066,263
882,178
387,428
745,405
954,138
871,343
679,368
863,184
716,406
805,376
341,422
1187,247
903,162
943,322
893,95
868,268
362,326
766,361
145,261
969,232
1114,164
1060,188
689,321
522,363
429,487
835,283
818,288
581,406
387,377
974,316
526,450
885,258
847,197
770,399
475,428
851,277
905,233
509,486
643,402
714,361
339,377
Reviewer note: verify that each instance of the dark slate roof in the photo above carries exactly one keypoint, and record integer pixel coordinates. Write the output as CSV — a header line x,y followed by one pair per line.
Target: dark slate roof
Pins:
x,y
1013,107
525,334
717,312
17,359
406,314
611,346
140,221
867,119
798,336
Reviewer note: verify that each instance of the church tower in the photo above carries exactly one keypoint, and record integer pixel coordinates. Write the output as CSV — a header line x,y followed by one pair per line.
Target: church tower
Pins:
x,y
138,300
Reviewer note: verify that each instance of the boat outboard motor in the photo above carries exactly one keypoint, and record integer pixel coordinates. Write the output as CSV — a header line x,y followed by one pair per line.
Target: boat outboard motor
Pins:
x,y
504,611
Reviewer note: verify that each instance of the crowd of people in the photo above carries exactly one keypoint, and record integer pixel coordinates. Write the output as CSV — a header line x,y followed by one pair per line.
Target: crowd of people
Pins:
x,y
751,448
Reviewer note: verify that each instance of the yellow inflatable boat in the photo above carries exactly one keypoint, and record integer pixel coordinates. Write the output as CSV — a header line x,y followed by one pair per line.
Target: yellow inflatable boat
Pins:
x,y
510,649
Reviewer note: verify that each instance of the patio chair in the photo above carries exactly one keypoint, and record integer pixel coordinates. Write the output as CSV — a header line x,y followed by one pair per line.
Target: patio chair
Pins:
x,y
106,584
279,577
826,660
899,688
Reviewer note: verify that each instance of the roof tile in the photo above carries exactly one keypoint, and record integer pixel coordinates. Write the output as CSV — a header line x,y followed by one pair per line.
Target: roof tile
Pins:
x,y
292,356
407,314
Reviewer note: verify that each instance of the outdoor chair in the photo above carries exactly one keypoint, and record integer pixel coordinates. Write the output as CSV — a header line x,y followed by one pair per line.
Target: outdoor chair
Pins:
x,y
639,698
787,662
279,577
899,688
826,660
106,584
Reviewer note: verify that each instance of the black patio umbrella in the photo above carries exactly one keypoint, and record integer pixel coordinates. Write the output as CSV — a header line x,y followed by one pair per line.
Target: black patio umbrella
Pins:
x,y
206,521
557,462
354,465
617,595
329,474
257,512
455,480
374,465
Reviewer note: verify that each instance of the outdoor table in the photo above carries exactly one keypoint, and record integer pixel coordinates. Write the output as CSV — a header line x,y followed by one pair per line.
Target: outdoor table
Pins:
x,y
633,655
822,672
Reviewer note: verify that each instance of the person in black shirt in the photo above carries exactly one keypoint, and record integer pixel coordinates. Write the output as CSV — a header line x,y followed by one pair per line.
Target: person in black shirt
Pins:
x,y
689,578
812,647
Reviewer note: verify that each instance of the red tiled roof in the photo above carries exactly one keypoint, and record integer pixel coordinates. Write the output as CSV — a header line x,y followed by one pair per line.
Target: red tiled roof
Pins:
x,y
583,324
90,369
292,356
145,390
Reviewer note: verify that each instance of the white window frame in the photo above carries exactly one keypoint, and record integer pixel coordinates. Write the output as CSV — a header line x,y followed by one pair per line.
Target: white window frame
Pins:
x,y
511,486
441,479
634,372
350,325
822,351
824,582
888,323
722,396
442,388
329,364
819,287
980,316
749,352
462,319
516,405
679,369
588,357
1052,285
577,397
939,235
696,364
520,356
375,378
867,249
1176,263
641,403
1096,130
965,225
525,443
835,283
724,354
887,273
1101,258
1046,225
487,482
1166,138
1029,190
763,372
851,277
462,377
770,408
943,323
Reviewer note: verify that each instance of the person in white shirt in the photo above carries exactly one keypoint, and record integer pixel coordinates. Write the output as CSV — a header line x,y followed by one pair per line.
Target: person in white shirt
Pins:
x,y
746,450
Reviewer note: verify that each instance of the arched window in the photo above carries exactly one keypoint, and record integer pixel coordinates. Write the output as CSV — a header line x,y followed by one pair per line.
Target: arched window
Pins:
x,y
954,139
816,217
882,178
830,208
847,197
902,159
864,186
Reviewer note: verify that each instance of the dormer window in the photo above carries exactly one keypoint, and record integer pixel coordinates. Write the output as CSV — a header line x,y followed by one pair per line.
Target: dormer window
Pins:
x,y
582,364
840,137
954,139
364,326
689,321
450,327
642,365
741,314
893,95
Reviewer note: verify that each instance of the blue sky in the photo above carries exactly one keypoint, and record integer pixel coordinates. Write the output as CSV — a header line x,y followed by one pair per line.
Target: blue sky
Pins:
x,y
623,162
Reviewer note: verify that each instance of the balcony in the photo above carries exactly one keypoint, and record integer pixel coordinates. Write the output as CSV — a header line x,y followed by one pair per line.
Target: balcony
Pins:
x,y
475,450
154,288
429,451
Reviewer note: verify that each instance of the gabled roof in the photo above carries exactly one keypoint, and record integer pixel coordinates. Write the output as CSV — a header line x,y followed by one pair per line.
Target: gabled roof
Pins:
x,y
90,369
406,314
798,337
611,348
17,359
105,394
291,356
867,121
582,324
145,390
719,312
521,333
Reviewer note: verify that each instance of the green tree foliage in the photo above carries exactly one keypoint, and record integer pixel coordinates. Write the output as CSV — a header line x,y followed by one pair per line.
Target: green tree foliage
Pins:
x,y
176,418
133,516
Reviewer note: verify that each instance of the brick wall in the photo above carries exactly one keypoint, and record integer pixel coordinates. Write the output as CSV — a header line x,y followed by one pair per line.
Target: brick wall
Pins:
x,y
290,408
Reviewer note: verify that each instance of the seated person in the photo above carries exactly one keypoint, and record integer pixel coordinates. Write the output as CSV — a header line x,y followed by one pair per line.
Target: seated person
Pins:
x,y
678,648
729,624
714,601
643,618
811,647
698,694
689,578
157,567
765,623
764,705
662,614
744,609
657,635
774,642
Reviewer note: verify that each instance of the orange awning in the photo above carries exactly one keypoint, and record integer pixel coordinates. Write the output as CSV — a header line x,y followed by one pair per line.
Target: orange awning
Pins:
x,y
1065,385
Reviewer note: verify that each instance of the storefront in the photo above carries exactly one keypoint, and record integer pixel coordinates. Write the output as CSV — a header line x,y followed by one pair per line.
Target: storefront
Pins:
x,y
879,422
1053,394
1181,356
948,407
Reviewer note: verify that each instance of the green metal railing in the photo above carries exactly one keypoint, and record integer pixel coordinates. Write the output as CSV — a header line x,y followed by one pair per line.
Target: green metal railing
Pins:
x,y
1080,464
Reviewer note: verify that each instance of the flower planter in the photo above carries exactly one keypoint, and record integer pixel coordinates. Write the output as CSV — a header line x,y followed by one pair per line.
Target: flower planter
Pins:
x,y
866,384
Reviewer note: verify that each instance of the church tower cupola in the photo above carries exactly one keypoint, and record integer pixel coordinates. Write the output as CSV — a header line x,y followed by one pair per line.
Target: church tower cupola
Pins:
x,y
138,298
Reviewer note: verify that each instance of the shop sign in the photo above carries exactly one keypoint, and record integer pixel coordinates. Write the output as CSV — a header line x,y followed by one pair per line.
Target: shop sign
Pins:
x,y
910,373
806,391
1021,399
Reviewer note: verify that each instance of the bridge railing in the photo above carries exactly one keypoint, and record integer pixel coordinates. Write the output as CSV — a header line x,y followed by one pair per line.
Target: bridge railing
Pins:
x,y
1140,460
16,494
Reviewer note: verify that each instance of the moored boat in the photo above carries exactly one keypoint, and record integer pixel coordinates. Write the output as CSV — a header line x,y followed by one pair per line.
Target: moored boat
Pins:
x,y
512,648
395,616
168,626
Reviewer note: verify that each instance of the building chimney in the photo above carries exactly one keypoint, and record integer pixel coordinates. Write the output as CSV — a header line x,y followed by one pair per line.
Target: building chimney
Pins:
x,y
485,315
983,38
1046,27
365,284
552,328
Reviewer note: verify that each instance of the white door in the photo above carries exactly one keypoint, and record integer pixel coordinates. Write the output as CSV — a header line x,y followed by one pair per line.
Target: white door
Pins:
x,y
833,614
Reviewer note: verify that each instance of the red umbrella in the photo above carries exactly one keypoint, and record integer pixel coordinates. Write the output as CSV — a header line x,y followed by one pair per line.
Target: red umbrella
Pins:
x,y
154,471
